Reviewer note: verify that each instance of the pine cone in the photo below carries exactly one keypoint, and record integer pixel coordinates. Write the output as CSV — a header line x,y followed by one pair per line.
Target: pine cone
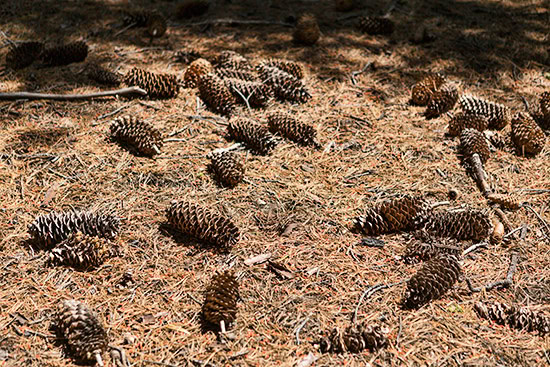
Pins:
x,y
354,339
544,103
423,90
82,331
232,60
497,114
195,70
422,251
307,30
81,252
215,94
539,117
220,303
468,224
292,129
23,54
227,167
255,93
65,54
141,135
432,280
474,142
506,201
443,100
203,224
514,317
256,137
527,136
392,215
187,56
156,26
50,229
376,25
291,67
103,76
225,73
192,8
156,85
499,141
462,121
285,86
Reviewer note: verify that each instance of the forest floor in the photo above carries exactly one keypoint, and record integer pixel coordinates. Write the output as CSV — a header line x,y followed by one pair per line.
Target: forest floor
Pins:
x,y
296,204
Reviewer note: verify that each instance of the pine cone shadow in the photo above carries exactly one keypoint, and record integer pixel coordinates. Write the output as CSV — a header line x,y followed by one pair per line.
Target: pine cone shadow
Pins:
x,y
167,230
128,147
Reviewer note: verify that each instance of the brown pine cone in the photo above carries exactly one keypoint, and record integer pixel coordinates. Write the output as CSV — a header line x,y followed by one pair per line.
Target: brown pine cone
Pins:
x,y
215,94
232,60
443,100
285,86
422,251
256,94
307,30
157,86
463,225
292,129
103,76
65,54
227,167
248,76
515,317
474,142
256,137
527,136
462,121
23,54
220,303
142,136
500,141
81,252
423,90
291,67
376,25
354,339
187,55
194,71
156,26
506,201
497,115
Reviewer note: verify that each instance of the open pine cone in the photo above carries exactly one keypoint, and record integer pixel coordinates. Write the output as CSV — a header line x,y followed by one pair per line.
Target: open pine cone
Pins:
x,y
215,94
220,303
443,100
23,54
195,70
249,76
422,251
423,90
227,167
232,60
463,225
462,121
376,25
307,30
506,201
515,317
255,93
142,136
355,339
81,252
291,67
289,127
474,142
286,86
256,137
65,54
497,115
159,86
102,76
527,136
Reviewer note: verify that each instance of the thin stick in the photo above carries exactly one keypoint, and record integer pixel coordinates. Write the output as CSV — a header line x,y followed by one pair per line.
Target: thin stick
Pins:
x,y
71,97
474,247
480,174
124,29
222,326
99,360
299,328
369,292
503,283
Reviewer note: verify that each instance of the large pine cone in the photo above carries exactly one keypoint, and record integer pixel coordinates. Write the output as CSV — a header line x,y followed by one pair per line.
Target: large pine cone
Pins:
x,y
463,225
291,67
256,137
232,60
285,86
462,121
497,115
392,215
203,224
50,229
423,90
506,201
220,303
156,85
307,30
292,129
23,54
65,54
255,93
103,76
422,251
82,331
141,135
195,70
355,339
474,142
431,281
227,167
215,94
376,25
81,252
527,136
226,73
443,100
515,317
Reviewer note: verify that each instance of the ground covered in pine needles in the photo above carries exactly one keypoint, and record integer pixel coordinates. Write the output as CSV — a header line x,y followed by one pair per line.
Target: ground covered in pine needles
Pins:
x,y
296,204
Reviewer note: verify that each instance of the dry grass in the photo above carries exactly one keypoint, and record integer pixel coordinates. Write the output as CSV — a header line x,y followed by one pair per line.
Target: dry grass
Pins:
x,y
60,149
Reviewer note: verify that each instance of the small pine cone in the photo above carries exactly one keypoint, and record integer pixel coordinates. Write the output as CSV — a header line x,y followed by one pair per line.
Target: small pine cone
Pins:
x,y
423,90
195,70
431,281
141,135
443,100
527,136
255,93
506,201
256,137
23,54
496,311
376,25
50,229
138,18
225,73
186,56
227,167
156,85
392,215
156,26
232,60
203,224
474,142
215,94
422,251
84,334
192,8
291,67
462,121
81,252
469,224
514,317
292,129
285,86
375,337
307,30
354,339
103,76
497,114
220,303
65,54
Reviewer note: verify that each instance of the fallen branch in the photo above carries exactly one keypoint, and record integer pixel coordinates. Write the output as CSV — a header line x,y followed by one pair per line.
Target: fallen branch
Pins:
x,y
503,283
72,97
474,247
369,292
